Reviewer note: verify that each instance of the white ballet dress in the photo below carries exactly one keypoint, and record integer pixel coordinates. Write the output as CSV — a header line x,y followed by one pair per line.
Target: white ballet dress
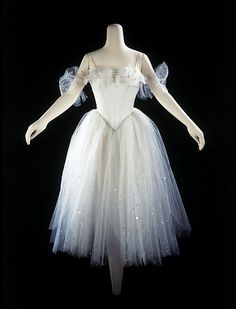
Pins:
x,y
117,187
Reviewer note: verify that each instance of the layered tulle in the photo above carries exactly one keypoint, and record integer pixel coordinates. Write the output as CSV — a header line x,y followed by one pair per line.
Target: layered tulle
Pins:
x,y
117,189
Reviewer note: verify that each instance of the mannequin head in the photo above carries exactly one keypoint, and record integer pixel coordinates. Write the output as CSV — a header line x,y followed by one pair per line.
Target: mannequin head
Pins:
x,y
115,36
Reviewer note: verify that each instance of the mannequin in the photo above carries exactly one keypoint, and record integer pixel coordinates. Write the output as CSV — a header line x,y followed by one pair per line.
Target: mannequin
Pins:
x,y
115,54
119,55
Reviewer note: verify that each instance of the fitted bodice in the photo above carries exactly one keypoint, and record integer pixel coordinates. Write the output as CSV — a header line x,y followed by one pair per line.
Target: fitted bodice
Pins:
x,y
115,91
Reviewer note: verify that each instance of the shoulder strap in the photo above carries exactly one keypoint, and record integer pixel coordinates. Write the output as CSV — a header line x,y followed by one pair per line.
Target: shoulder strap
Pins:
x,y
93,62
141,66
136,62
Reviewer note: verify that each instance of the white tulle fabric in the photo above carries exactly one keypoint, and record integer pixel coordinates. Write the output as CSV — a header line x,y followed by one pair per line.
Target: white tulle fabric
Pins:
x,y
117,184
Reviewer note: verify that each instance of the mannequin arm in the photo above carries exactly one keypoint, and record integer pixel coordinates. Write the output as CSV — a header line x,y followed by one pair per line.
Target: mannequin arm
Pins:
x,y
169,103
61,104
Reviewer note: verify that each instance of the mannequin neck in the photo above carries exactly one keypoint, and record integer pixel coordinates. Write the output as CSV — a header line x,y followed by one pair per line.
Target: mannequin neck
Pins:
x,y
115,38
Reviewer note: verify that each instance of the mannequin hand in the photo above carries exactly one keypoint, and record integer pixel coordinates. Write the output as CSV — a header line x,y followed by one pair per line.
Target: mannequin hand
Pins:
x,y
35,129
197,135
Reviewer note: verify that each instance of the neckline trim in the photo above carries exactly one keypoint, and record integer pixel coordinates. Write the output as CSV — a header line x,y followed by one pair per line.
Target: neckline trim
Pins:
x,y
117,70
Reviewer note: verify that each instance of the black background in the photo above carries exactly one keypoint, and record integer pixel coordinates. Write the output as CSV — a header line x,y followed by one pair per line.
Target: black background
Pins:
x,y
196,41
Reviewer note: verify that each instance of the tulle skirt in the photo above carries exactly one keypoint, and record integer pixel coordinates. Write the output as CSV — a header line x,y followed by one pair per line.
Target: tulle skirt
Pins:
x,y
118,190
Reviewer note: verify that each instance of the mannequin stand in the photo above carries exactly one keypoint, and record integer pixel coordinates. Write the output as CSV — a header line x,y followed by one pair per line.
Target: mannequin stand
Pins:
x,y
116,265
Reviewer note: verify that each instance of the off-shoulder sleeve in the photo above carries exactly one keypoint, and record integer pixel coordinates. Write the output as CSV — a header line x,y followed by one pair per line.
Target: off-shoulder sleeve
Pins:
x,y
72,77
81,77
156,79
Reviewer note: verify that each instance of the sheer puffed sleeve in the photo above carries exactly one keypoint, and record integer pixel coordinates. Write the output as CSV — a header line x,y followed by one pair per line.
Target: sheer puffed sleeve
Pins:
x,y
156,77
72,78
